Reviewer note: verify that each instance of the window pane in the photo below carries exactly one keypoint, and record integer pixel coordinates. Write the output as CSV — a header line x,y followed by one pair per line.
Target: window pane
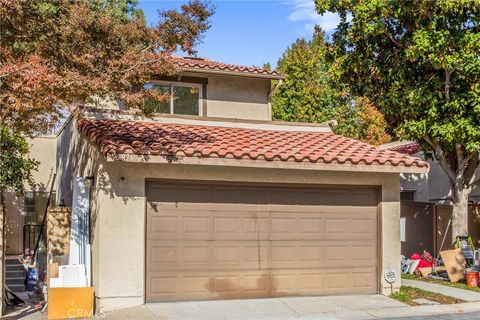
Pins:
x,y
29,198
35,205
407,195
186,100
158,106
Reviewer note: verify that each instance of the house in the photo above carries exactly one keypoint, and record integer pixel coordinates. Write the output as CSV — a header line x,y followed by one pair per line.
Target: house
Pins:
x,y
210,199
426,206
433,186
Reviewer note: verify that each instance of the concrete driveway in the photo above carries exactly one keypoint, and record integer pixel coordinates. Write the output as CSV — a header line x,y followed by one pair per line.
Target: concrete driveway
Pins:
x,y
337,307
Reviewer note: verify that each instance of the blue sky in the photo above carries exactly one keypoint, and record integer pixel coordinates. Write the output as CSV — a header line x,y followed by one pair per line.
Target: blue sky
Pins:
x,y
252,32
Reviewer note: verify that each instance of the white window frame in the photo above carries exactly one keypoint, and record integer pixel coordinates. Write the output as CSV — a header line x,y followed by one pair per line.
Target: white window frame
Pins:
x,y
187,85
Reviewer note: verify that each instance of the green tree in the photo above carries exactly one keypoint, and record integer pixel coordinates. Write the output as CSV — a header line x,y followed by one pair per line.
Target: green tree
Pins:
x,y
58,52
15,172
361,120
310,93
15,165
306,94
418,61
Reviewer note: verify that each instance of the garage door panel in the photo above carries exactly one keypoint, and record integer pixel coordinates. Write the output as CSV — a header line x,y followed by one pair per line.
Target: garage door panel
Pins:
x,y
323,224
294,225
169,286
218,255
297,254
162,288
361,254
256,255
227,241
365,227
183,224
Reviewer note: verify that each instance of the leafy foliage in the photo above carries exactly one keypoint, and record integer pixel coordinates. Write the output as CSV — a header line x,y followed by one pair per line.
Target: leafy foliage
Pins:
x,y
306,94
59,52
310,93
362,121
15,165
54,53
418,61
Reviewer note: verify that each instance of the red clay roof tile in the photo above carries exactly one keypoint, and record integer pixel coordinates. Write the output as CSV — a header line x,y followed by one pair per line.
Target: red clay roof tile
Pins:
x,y
407,148
152,138
209,65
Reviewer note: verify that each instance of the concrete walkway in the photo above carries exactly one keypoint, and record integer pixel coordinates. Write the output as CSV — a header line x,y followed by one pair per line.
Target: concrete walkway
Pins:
x,y
461,294
359,307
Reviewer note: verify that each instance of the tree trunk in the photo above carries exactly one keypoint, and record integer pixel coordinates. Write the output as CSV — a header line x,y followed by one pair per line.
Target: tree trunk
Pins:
x,y
460,211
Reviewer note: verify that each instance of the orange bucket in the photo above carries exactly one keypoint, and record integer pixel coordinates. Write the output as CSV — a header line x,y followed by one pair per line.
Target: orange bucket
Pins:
x,y
472,279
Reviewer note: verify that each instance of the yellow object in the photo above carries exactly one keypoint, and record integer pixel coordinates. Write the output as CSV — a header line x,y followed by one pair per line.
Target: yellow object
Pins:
x,y
70,303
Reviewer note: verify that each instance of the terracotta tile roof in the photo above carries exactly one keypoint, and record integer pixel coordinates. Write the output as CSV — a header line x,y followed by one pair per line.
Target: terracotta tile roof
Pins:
x,y
149,138
407,148
209,65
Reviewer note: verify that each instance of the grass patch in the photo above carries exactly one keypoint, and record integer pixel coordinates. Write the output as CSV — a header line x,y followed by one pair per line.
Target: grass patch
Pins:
x,y
408,294
459,285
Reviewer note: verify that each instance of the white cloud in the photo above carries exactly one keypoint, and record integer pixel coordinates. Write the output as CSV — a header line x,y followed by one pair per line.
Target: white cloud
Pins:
x,y
304,11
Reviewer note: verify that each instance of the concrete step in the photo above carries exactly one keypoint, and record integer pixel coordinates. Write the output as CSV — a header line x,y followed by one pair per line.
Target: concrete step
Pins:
x,y
16,287
12,261
14,273
14,268
16,280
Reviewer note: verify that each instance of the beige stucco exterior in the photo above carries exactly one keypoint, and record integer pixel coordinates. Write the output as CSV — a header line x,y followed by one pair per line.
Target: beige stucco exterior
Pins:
x,y
121,212
43,150
118,210
434,185
223,96
240,98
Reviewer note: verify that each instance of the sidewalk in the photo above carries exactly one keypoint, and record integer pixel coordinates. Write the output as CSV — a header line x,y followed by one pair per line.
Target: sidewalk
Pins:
x,y
359,307
293,308
461,294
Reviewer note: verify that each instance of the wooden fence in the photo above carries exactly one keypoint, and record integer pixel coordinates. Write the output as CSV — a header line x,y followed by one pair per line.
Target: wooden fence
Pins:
x,y
426,224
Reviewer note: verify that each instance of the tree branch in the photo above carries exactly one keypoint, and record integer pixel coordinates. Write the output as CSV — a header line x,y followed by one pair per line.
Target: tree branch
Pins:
x,y
448,76
389,36
461,160
447,84
471,170
441,157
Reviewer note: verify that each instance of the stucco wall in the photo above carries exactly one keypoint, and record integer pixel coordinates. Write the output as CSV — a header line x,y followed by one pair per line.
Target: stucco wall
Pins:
x,y
432,186
118,210
226,97
42,149
121,226
79,158
241,98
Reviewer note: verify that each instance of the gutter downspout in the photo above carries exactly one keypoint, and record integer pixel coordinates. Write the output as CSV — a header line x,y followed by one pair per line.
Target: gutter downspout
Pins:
x,y
269,97
280,82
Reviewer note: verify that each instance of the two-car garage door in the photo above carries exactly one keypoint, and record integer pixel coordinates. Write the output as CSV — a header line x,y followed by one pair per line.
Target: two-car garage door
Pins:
x,y
219,241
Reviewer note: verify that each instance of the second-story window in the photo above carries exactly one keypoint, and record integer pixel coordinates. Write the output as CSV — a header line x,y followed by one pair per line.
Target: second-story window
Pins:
x,y
184,98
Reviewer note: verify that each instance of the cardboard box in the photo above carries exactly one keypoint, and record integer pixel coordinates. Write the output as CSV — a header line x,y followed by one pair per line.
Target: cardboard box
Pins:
x,y
454,263
70,303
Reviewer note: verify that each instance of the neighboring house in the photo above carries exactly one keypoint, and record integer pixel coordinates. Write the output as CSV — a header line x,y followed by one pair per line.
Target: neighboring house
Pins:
x,y
212,200
427,205
433,186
